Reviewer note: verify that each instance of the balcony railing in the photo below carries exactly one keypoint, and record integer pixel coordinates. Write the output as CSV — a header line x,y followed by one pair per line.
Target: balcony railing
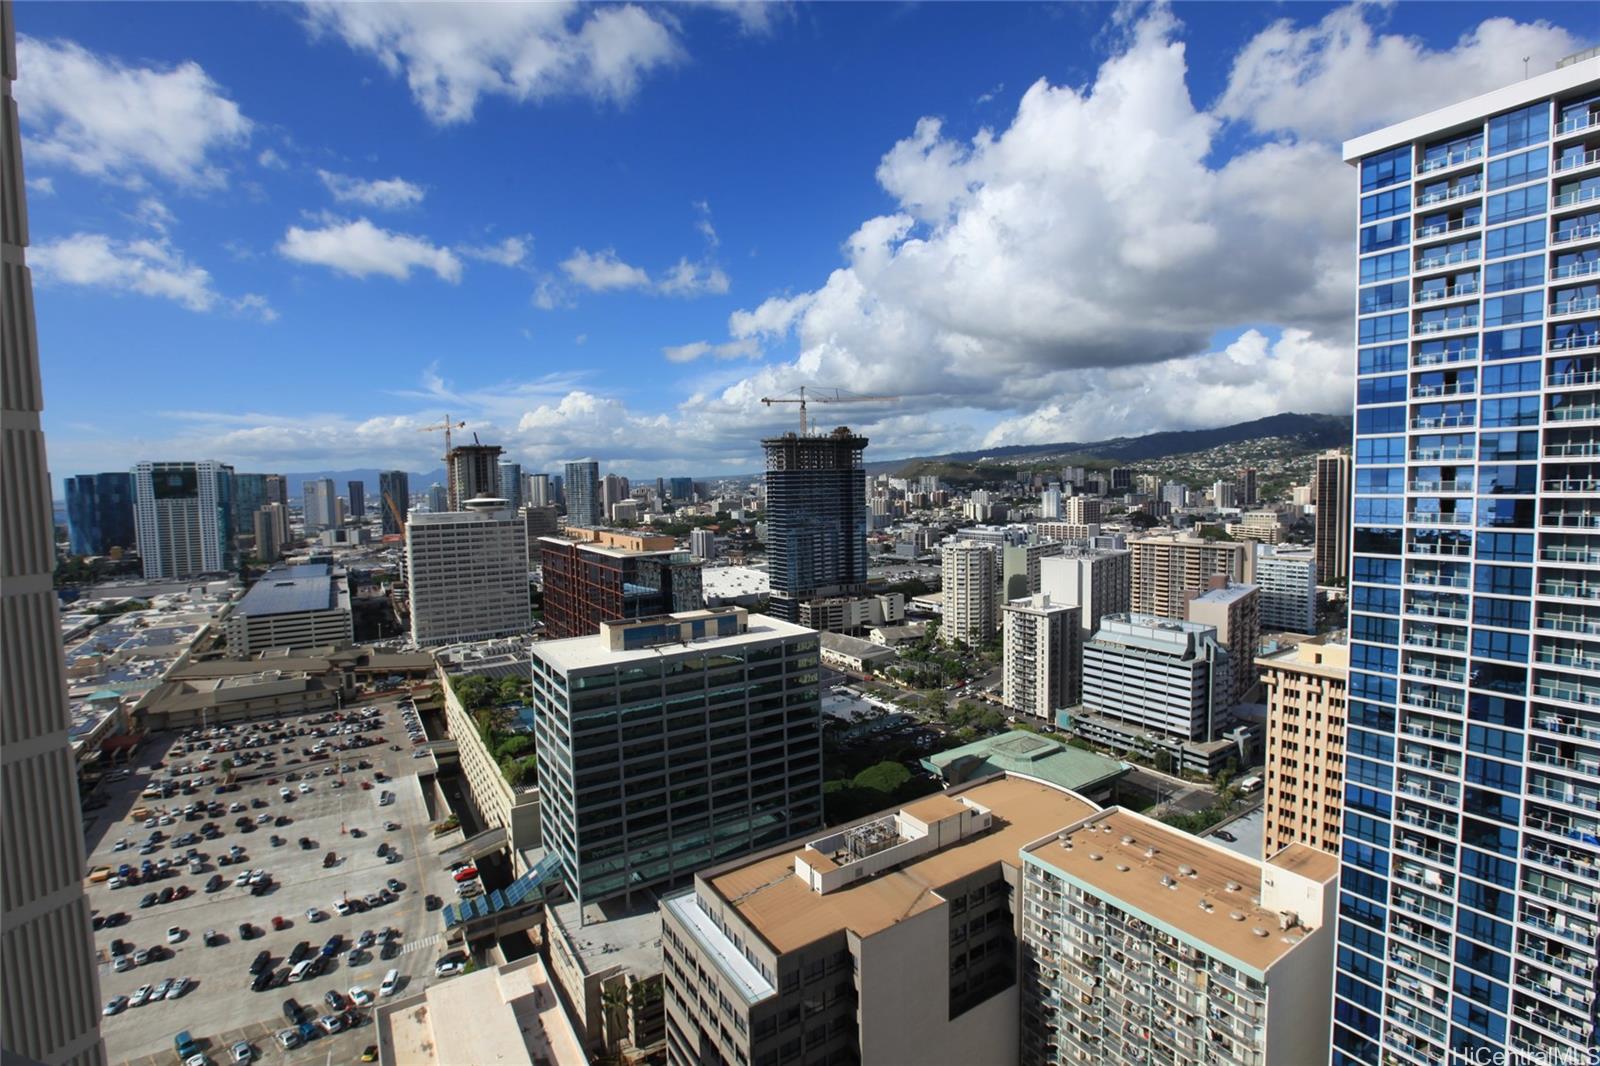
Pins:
x,y
1577,590
1574,162
1448,767
1552,690
1576,447
1434,703
1581,269
1454,388
1466,255
1440,518
1433,795
1464,354
1572,798
1571,519
1572,484
1439,486
1434,455
1575,124
1567,963
1422,547
1446,581
1559,622
1454,192
1430,640
1433,229
1454,677
1573,661
1548,758
1584,413
1556,553
1575,305
1545,857
1576,196
1456,612
1443,325
1575,340
1453,159
1573,377
1576,233
1580,933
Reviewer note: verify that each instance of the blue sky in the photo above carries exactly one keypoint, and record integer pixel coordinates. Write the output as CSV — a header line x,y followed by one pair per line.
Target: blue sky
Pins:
x,y
287,235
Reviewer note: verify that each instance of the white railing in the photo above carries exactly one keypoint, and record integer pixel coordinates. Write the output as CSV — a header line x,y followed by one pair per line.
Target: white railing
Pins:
x,y
1440,325
1429,295
1575,305
1570,125
1455,192
1433,455
1455,388
1573,377
1585,413
1450,159
1444,422
1581,448
1573,162
1439,486
1570,484
1581,269
1453,226
1450,355
1576,196
1576,233
1428,262
1576,340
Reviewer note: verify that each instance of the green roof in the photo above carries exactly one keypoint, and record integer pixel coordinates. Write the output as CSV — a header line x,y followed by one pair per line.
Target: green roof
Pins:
x,y
1021,752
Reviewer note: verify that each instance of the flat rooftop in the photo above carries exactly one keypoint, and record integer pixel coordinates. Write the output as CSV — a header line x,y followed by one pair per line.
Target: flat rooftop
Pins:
x,y
787,914
578,653
1226,594
1110,855
1021,752
509,1015
612,933
291,590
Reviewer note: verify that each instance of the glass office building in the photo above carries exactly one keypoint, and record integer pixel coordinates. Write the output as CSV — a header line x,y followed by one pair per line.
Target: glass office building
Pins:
x,y
1470,864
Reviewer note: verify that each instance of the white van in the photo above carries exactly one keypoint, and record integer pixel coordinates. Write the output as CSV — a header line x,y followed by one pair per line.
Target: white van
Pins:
x,y
299,971
391,981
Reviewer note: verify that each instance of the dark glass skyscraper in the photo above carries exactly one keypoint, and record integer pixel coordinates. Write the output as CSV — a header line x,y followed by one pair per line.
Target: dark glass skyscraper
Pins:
x,y
583,494
395,487
100,513
358,500
816,518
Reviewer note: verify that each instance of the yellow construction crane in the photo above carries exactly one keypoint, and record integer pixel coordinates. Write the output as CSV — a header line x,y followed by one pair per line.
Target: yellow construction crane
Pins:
x,y
447,426
816,395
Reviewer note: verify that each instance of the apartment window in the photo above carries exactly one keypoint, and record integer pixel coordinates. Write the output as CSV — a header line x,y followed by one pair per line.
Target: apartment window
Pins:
x,y
1514,240
1520,128
1381,390
1516,169
1512,377
1380,360
1390,234
1387,203
1385,168
1513,411
1383,297
1514,274
1385,266
1507,310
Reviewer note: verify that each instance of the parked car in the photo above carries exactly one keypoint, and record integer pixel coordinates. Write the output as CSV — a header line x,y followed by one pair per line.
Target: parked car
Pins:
x,y
115,1005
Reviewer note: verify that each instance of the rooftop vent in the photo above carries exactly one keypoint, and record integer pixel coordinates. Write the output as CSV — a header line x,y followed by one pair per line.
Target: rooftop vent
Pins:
x,y
1186,871
1207,906
1122,866
1127,838
1233,886
1095,856
1167,881
1236,916
1258,931
1151,852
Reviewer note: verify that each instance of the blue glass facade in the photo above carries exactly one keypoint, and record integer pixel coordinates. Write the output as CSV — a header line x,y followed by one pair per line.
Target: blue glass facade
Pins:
x,y
100,513
1471,851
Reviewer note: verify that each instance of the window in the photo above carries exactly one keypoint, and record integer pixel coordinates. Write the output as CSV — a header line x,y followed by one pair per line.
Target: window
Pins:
x,y
1516,169
1514,411
1506,547
1385,235
1375,630
1380,450
1379,360
1385,168
1385,266
1382,390
1506,310
1385,204
1508,447
1383,297
1515,240
1382,328
1520,128
1507,614
1514,274
1511,377
1380,480
1380,419
1505,480
1506,513
1376,571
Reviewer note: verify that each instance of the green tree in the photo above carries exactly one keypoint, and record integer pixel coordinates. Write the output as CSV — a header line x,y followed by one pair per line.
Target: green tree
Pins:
x,y
475,692
886,777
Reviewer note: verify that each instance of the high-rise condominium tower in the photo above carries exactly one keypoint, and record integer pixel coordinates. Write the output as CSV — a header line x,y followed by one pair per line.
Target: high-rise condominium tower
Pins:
x,y
184,517
395,488
816,517
1331,496
1472,760
318,507
511,484
583,494
473,472
49,1000
100,513
358,500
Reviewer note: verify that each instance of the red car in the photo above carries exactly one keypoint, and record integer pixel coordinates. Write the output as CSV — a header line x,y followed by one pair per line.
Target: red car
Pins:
x,y
366,785
279,922
466,873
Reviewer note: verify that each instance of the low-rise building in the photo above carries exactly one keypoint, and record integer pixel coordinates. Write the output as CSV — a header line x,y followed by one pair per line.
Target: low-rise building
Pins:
x,y
1030,755
497,803
854,654
303,606
509,1015
607,959
851,614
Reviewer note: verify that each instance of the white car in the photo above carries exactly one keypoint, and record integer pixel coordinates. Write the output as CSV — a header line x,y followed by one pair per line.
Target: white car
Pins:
x,y
115,1005
140,997
284,792
180,985
331,1023
361,997
449,967
304,788
313,915
242,1052
174,935
342,907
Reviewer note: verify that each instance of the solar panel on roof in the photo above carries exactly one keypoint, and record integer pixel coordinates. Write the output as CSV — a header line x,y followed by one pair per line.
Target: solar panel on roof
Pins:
x,y
449,915
497,901
515,893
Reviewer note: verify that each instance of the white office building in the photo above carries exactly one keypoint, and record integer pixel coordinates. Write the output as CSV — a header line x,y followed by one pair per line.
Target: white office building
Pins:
x,y
703,544
320,505
467,574
1287,578
970,584
301,606
1156,674
1041,642
183,518
1096,581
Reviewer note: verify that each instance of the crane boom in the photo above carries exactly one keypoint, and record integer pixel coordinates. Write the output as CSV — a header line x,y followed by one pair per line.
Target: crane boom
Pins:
x,y
816,395
447,426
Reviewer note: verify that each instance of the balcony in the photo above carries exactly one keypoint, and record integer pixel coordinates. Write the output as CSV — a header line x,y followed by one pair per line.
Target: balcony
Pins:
x,y
1455,159
1572,660
1464,354
1445,454
1432,487
1577,162
1573,377
1454,611
1454,388
1458,676
1444,325
1573,341
1458,421
1414,698
1569,484
1438,765
1444,259
1571,519
1454,192
1573,198
1575,233
1545,855
1559,553
1434,640
1572,798
1576,305
1575,124
1424,547
1580,448
1567,692
1577,932
1455,225
1574,590
1438,580
1448,293
1551,1021
1439,518
1545,757
1579,413
1443,826
1420,790
1581,269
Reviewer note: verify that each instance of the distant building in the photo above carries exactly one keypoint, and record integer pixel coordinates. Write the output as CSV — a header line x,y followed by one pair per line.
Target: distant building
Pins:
x,y
816,518
582,488
395,487
1167,677
970,586
540,521
183,516
1167,569
1330,492
1234,611
438,498
1263,527
613,490
467,574
248,495
1225,494
1019,567
277,489
1040,661
265,525
537,488
625,512
1287,578
1096,581
472,471
1306,688
100,513
511,484
1081,510
357,492
1247,487
703,544
319,506
305,606
613,576
681,489
749,777
1050,502
852,614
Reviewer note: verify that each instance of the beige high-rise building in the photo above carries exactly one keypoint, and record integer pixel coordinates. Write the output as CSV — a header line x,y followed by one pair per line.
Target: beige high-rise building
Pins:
x,y
1305,695
1166,570
467,574
969,579
1330,492
1081,510
49,994
1042,647
1234,611
1097,581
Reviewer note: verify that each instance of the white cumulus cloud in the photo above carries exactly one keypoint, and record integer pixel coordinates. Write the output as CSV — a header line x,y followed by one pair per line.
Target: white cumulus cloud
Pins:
x,y
360,249
510,252
149,267
453,55
602,271
389,194
124,123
